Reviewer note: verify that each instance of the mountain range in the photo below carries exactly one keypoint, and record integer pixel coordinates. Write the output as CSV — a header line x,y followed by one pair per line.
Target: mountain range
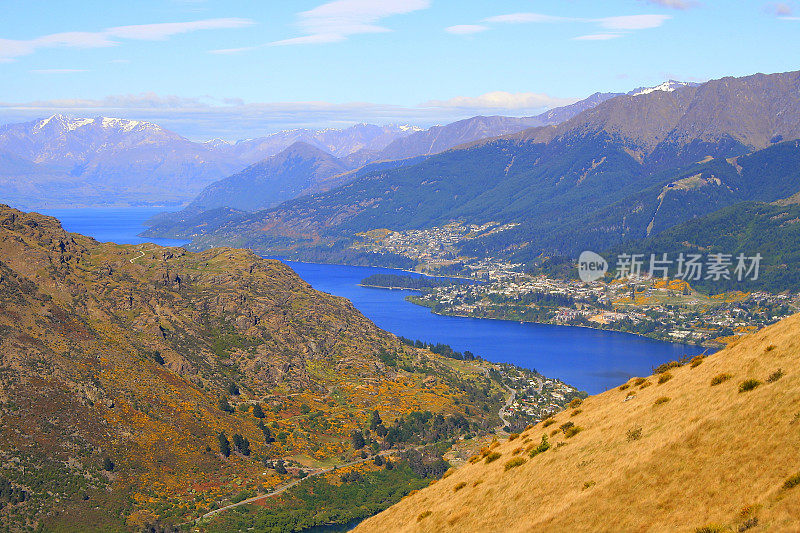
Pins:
x,y
60,160
625,169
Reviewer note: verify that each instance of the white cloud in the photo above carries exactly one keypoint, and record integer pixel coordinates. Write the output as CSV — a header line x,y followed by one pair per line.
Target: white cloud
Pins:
x,y
598,37
12,49
613,25
58,70
466,29
337,20
674,4
633,22
518,18
501,100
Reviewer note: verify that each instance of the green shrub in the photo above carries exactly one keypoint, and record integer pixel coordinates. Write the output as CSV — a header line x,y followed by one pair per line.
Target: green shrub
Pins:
x,y
663,399
588,485
575,403
696,361
748,385
515,462
639,381
625,386
576,412
634,434
494,456
571,432
542,447
720,378
459,486
792,482
423,515
548,422
666,366
513,436
664,377
775,376
770,348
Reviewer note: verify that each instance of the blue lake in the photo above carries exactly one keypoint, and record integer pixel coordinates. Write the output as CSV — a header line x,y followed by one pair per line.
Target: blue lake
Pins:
x,y
592,360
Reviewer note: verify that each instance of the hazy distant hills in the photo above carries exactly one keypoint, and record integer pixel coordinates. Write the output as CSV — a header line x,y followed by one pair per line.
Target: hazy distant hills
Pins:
x,y
440,138
338,142
620,170
298,169
62,160
108,161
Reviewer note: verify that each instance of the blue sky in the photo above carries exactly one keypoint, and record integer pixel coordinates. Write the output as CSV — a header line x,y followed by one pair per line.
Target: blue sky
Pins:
x,y
237,69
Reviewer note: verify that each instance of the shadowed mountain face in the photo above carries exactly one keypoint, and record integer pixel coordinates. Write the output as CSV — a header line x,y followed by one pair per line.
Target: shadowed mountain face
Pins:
x,y
598,178
121,365
298,170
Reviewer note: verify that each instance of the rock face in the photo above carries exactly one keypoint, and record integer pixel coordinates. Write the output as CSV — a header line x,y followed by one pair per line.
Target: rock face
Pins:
x,y
143,355
707,446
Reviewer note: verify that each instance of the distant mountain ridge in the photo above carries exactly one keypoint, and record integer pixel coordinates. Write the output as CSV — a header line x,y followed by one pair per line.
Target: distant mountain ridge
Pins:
x,y
79,161
299,169
440,138
596,177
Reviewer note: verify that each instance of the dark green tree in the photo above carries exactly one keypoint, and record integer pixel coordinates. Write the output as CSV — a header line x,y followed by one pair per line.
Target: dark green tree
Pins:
x,y
241,444
224,405
375,420
258,412
358,439
224,445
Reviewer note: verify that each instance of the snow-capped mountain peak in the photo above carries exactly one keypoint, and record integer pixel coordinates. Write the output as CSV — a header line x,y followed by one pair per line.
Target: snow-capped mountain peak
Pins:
x,y
667,86
59,124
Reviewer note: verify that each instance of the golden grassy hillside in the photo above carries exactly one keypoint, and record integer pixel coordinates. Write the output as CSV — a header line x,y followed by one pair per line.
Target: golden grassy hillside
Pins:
x,y
672,452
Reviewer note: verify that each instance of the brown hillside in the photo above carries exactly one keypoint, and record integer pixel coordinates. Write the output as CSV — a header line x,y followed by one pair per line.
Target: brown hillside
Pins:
x,y
142,355
671,454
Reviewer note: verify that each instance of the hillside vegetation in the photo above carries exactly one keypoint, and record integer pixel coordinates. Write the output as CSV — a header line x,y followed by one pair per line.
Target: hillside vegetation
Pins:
x,y
709,445
143,386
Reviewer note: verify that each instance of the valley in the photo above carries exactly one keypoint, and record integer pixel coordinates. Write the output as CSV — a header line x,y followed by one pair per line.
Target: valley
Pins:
x,y
185,382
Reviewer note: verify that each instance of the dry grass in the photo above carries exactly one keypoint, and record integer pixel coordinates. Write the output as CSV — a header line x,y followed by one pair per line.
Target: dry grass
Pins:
x,y
702,457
